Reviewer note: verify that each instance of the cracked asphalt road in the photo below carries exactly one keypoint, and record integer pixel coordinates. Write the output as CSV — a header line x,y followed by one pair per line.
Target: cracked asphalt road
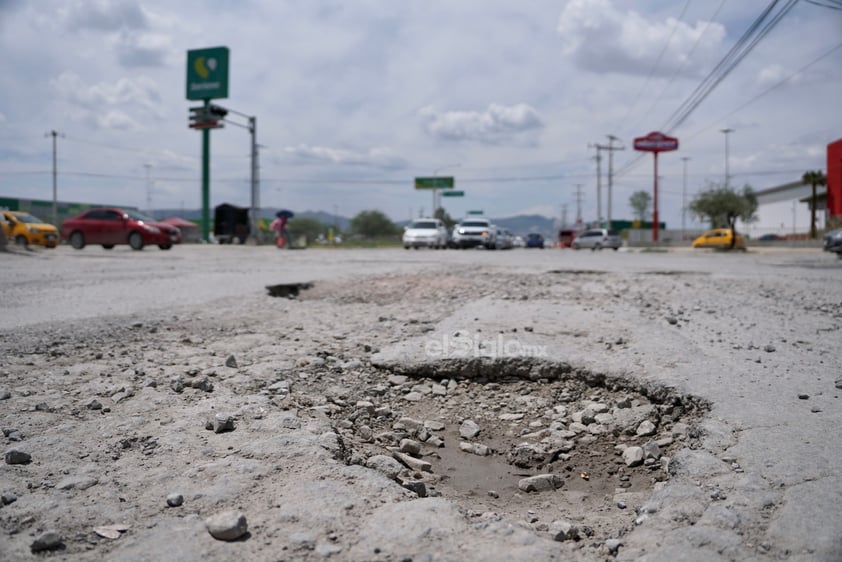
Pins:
x,y
756,335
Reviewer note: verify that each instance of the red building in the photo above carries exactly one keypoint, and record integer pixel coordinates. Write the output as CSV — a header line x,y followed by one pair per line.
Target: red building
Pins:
x,y
834,182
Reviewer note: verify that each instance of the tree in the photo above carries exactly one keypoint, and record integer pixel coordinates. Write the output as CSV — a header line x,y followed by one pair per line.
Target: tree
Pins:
x,y
722,206
444,217
373,224
307,227
639,202
814,179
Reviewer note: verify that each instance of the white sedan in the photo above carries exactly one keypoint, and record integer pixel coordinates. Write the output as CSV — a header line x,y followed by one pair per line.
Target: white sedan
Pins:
x,y
428,233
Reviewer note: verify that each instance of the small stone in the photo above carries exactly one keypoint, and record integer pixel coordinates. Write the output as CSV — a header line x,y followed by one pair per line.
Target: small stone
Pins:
x,y
803,396
227,525
838,384
175,500
562,530
469,429
5,394
540,483
410,447
8,498
646,427
412,463
385,464
475,449
651,450
770,349
231,361
672,320
49,540
417,486
94,405
14,456
613,545
222,423
633,456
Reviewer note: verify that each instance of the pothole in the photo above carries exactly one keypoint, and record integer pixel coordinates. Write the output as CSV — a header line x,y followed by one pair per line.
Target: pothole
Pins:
x,y
287,290
540,444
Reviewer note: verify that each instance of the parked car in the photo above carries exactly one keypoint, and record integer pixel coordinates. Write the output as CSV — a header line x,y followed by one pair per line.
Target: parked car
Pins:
x,y
597,239
25,229
566,238
425,233
719,238
518,242
771,237
472,232
535,240
833,241
110,226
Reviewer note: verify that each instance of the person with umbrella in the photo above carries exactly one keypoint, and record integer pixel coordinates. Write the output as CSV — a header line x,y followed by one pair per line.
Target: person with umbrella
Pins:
x,y
279,226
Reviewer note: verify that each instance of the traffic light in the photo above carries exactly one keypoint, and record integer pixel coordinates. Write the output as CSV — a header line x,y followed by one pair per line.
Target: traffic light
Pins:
x,y
217,111
202,117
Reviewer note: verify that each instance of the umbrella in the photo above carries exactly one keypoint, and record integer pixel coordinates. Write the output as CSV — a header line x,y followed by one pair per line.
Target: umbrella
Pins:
x,y
284,214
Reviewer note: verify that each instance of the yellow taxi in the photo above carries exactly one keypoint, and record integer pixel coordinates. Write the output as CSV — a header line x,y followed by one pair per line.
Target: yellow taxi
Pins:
x,y
719,238
25,229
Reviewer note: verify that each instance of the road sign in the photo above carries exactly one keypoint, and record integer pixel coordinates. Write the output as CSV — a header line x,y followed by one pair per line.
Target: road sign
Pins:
x,y
207,73
440,182
476,213
655,142
453,193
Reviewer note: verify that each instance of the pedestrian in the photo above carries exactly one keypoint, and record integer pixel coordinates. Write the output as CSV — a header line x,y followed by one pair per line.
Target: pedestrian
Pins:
x,y
279,226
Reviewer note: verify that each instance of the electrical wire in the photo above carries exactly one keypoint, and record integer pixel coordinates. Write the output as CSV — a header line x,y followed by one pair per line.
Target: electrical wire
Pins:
x,y
657,62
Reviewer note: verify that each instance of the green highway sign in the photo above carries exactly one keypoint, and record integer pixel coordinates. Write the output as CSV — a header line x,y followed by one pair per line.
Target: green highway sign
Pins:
x,y
476,213
207,73
443,182
453,193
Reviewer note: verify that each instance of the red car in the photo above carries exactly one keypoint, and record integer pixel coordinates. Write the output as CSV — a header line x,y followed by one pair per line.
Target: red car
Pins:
x,y
112,226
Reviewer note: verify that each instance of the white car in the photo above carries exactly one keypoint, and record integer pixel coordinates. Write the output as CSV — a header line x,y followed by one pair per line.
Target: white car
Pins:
x,y
473,232
426,233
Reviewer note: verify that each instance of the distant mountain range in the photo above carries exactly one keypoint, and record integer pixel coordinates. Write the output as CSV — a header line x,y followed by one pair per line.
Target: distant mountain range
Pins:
x,y
519,224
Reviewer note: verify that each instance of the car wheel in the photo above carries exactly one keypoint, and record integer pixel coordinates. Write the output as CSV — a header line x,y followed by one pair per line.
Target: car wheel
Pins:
x,y
136,241
77,240
165,246
406,247
616,248
21,240
108,246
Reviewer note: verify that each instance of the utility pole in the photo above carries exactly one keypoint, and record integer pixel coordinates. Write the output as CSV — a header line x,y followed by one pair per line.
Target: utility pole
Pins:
x,y
148,189
55,135
598,159
684,198
255,180
564,215
611,148
726,132
578,205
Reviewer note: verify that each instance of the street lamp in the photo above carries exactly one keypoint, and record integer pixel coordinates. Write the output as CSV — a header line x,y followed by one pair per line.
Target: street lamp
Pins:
x,y
726,132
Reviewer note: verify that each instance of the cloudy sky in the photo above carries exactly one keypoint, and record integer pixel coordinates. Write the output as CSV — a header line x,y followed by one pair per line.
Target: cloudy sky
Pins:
x,y
355,98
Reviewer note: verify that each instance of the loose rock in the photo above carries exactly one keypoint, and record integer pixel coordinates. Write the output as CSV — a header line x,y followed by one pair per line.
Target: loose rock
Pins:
x,y
14,456
49,540
227,525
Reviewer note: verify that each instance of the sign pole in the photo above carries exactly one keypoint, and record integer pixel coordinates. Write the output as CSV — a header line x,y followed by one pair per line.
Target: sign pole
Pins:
x,y
206,180
655,202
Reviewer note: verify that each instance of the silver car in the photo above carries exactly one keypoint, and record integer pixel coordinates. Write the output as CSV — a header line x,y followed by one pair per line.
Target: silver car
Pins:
x,y
597,239
425,233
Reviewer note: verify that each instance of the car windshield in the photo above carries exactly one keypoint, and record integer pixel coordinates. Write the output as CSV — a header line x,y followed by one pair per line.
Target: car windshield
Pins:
x,y
426,225
25,217
475,223
139,217
533,236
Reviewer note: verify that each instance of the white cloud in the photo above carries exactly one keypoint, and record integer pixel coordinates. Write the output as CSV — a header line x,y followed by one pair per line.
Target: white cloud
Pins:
x,y
493,125
600,38
375,157
135,92
106,15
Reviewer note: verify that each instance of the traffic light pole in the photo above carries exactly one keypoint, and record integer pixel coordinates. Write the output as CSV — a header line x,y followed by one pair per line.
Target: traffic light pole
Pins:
x,y
206,180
